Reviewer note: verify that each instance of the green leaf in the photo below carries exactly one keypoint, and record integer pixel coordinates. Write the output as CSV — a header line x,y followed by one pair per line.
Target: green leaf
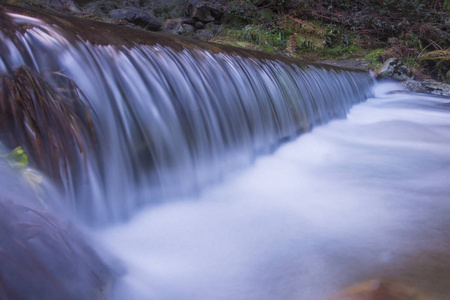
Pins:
x,y
17,157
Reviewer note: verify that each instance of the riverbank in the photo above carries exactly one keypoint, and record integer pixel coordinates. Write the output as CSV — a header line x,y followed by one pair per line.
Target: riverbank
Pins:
x,y
424,85
181,158
287,30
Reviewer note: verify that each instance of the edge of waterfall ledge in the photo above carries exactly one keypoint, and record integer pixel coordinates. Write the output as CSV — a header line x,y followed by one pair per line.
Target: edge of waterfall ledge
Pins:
x,y
110,34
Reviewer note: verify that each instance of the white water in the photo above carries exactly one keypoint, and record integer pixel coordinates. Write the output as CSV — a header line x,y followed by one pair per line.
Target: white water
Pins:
x,y
168,122
353,200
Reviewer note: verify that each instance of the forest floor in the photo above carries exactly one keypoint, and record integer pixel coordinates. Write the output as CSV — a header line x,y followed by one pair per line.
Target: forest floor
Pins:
x,y
353,34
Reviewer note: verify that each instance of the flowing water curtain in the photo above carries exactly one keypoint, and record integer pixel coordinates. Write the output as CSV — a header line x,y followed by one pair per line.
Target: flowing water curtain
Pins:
x,y
53,126
144,123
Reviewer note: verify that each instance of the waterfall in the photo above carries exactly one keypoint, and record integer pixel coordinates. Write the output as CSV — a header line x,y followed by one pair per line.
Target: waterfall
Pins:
x,y
117,121
149,122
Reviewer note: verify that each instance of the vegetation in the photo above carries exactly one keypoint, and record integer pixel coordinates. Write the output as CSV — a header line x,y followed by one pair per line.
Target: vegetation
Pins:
x,y
415,30
35,116
16,158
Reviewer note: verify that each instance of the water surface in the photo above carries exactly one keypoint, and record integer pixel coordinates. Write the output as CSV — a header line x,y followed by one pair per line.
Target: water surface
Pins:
x,y
359,198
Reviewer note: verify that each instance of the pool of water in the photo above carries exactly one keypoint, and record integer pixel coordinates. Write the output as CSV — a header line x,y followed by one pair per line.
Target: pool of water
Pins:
x,y
360,198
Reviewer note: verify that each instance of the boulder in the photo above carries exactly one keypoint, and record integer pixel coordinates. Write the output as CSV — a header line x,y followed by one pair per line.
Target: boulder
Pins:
x,y
199,25
42,256
99,8
414,86
136,16
393,68
428,86
176,26
59,6
436,88
206,11
188,29
68,5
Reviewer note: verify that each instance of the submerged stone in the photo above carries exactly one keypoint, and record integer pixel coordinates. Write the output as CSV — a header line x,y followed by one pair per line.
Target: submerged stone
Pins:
x,y
42,256
395,69
381,289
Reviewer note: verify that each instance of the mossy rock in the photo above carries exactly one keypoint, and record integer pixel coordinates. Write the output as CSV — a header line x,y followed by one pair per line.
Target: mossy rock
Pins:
x,y
44,257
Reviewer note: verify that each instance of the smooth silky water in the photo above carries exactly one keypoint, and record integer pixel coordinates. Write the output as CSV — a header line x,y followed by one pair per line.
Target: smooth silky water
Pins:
x,y
197,184
169,122
361,198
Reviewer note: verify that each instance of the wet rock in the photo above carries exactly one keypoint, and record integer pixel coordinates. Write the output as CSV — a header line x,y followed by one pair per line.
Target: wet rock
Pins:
x,y
188,30
59,6
100,8
381,289
428,86
436,88
136,16
65,5
393,68
203,35
43,257
176,26
199,25
166,9
215,28
414,86
206,11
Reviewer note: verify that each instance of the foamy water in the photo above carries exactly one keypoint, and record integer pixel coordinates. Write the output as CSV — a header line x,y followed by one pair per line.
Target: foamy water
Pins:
x,y
356,199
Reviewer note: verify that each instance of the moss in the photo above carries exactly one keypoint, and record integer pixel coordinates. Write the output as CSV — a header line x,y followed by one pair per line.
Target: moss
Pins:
x,y
31,4
438,62
168,11
446,5
375,58
260,38
234,42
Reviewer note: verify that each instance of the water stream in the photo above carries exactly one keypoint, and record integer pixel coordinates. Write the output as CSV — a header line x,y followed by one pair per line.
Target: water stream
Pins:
x,y
361,198
168,122
205,175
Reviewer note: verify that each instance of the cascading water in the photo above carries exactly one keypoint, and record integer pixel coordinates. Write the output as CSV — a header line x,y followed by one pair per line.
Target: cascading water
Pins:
x,y
357,199
169,122
121,127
